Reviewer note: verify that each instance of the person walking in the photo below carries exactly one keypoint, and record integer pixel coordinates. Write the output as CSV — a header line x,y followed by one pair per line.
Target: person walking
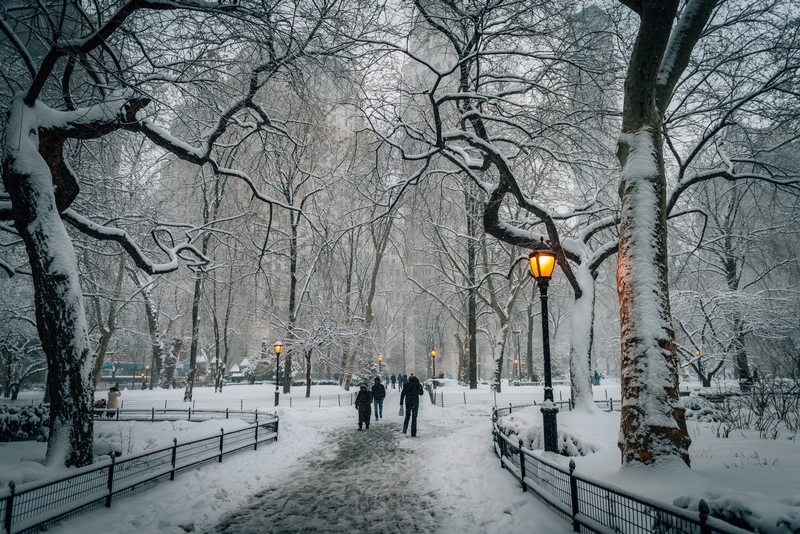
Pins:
x,y
378,394
393,378
412,391
400,381
364,406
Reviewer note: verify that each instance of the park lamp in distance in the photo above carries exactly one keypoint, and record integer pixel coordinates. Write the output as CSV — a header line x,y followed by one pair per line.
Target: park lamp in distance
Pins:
x,y
542,261
433,353
278,346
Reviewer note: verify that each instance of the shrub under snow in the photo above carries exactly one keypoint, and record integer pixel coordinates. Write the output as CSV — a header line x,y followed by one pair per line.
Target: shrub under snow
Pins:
x,y
750,511
527,427
24,423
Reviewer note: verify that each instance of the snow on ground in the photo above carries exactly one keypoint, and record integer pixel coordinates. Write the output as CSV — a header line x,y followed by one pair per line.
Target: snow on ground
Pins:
x,y
323,473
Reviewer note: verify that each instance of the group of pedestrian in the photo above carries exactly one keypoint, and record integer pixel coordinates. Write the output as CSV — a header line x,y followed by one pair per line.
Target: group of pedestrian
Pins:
x,y
411,391
400,379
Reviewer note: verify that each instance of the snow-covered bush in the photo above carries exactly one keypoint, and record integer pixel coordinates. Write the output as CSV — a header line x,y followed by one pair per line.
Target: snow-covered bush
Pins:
x,y
750,511
527,427
700,410
24,423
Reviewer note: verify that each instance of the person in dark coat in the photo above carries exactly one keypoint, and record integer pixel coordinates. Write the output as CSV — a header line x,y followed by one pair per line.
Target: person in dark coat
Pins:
x,y
412,391
364,406
393,380
378,394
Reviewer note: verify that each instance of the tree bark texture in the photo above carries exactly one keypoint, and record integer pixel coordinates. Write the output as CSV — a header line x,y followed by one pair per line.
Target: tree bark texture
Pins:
x,y
60,312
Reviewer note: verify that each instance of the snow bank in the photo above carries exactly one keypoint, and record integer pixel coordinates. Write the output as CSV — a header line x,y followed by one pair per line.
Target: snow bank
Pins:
x,y
528,428
749,510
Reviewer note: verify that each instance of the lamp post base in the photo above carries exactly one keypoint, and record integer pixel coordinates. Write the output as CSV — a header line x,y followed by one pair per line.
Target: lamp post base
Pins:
x,y
550,426
277,398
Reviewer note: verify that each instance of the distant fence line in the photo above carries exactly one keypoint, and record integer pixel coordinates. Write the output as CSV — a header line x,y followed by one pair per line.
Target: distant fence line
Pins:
x,y
442,397
593,506
37,505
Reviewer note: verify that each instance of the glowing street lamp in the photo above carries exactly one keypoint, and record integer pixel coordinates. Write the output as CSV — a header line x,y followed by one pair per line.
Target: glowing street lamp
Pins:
x,y
380,361
479,369
433,359
278,346
542,261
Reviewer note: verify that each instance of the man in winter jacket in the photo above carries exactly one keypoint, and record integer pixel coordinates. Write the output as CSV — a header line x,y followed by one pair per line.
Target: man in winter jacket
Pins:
x,y
412,391
378,394
364,406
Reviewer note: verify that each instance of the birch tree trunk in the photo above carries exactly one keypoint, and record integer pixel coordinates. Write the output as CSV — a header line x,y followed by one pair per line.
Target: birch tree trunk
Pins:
x,y
581,337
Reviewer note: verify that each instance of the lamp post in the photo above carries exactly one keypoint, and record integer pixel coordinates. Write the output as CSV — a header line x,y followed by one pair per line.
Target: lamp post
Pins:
x,y
478,363
278,346
516,366
380,362
542,263
433,359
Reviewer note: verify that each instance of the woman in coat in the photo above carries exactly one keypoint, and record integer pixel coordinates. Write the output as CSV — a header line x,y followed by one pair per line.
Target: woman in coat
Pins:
x,y
113,395
364,406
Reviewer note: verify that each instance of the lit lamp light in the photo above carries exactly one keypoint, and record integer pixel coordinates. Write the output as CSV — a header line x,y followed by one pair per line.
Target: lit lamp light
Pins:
x,y
380,361
542,262
697,352
433,359
516,364
278,346
479,369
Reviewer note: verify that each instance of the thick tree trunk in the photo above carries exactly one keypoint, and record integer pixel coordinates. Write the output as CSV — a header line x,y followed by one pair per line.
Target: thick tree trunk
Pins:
x,y
653,425
60,313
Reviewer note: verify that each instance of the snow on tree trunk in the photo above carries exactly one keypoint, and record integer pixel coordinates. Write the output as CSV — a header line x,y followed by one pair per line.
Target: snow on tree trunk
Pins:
x,y
652,425
171,359
581,335
198,288
497,354
60,313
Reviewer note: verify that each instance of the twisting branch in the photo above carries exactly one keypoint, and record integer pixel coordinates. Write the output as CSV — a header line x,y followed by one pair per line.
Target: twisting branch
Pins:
x,y
105,233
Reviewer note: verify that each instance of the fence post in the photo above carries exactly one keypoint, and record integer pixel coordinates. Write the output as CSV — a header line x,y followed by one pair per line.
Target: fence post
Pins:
x,y
110,480
277,420
221,438
502,448
704,510
465,397
152,414
117,415
193,401
612,404
165,406
339,397
510,408
174,457
522,467
9,507
441,398
320,402
241,404
189,418
226,413
573,490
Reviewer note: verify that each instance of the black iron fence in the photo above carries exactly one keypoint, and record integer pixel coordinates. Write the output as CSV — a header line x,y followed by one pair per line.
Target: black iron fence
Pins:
x,y
153,414
442,397
595,506
34,506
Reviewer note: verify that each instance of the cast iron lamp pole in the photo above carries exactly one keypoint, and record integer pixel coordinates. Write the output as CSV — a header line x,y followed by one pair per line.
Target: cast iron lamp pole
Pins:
x,y
433,358
542,262
380,361
278,348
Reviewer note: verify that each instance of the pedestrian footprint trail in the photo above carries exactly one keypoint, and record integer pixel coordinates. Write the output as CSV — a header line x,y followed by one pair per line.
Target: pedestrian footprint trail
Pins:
x,y
363,481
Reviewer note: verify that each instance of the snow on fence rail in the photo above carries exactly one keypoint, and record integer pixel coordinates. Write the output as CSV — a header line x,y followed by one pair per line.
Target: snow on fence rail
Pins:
x,y
452,397
37,505
592,505
341,399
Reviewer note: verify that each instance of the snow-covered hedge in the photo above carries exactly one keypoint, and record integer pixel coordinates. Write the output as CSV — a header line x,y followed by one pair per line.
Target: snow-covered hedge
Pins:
x,y
750,511
527,427
24,423
698,409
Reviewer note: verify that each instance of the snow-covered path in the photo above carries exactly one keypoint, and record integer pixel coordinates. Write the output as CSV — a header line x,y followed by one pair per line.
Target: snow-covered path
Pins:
x,y
380,480
362,481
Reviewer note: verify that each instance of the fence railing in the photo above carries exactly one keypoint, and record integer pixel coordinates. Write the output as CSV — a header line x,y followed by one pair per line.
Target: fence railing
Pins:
x,y
160,414
37,505
595,506
442,397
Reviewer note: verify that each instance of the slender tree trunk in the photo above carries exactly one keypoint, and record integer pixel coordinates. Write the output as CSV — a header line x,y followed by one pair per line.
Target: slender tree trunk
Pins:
x,y
529,347
582,334
498,351
473,213
198,288
107,331
308,372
